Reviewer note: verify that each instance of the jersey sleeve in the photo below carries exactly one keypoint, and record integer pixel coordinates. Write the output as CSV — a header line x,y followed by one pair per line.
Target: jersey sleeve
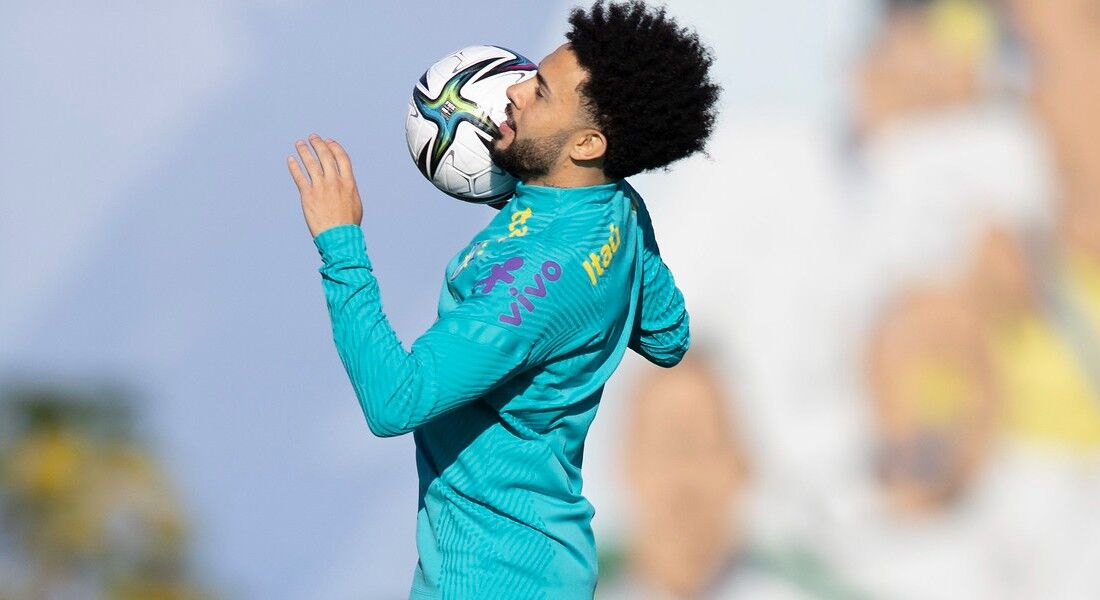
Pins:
x,y
499,330
661,333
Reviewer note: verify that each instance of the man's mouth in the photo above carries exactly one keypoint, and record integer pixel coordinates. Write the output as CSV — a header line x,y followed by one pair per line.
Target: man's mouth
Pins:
x,y
507,126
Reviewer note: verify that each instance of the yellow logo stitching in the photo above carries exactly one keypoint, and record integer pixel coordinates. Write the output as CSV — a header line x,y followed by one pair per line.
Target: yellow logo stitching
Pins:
x,y
596,264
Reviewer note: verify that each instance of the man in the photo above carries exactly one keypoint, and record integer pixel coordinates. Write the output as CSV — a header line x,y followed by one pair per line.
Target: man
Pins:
x,y
690,489
535,313
685,470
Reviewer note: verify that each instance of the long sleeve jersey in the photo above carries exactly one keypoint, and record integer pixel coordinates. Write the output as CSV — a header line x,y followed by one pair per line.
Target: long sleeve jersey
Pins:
x,y
535,314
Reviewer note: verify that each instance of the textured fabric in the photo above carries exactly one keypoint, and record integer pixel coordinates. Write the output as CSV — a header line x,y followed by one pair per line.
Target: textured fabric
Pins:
x,y
534,315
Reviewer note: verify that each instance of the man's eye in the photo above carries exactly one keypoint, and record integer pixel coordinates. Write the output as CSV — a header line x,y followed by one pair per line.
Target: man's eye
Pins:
x,y
538,92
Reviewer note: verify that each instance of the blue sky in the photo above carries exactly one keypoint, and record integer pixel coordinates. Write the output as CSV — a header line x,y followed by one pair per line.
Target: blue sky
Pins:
x,y
150,235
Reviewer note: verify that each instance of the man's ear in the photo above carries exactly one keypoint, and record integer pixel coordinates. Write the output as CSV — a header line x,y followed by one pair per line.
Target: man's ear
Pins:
x,y
591,145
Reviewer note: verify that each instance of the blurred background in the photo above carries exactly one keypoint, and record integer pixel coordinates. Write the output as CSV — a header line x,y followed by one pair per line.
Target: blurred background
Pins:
x,y
891,257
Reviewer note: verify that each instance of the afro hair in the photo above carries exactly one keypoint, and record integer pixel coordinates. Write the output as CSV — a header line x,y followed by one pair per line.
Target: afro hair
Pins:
x,y
648,87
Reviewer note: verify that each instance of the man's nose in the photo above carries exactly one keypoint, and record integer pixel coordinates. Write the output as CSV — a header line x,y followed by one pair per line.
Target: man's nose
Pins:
x,y
513,94
516,95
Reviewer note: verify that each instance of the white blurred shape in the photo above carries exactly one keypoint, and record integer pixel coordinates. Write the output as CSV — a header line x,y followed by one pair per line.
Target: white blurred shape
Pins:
x,y
935,182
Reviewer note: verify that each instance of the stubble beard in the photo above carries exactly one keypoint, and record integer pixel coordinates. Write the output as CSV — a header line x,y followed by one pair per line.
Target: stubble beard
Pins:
x,y
530,158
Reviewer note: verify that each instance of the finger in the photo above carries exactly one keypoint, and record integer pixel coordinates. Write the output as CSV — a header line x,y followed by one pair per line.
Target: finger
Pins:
x,y
297,174
343,161
324,154
312,166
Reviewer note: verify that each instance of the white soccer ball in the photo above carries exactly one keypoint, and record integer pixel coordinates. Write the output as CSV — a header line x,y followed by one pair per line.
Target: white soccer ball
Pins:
x,y
453,118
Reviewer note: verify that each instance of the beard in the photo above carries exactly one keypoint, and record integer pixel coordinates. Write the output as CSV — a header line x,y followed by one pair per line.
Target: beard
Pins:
x,y
530,158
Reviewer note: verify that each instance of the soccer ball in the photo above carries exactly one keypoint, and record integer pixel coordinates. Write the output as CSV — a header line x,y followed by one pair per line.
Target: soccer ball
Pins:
x,y
453,117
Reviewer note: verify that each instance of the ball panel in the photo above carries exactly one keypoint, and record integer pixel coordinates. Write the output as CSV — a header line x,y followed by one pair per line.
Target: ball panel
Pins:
x,y
470,154
453,179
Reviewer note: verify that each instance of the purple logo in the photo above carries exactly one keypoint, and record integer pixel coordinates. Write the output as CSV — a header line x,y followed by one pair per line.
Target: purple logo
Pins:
x,y
525,297
500,273
551,271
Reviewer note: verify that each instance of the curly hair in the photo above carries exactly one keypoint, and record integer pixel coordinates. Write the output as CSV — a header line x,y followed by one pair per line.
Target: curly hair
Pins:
x,y
648,87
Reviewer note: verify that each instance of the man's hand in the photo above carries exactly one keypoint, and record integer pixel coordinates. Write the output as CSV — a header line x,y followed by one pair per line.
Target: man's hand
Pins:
x,y
329,195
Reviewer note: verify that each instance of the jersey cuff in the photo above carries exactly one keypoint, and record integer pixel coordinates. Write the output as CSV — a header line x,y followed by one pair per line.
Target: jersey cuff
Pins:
x,y
342,242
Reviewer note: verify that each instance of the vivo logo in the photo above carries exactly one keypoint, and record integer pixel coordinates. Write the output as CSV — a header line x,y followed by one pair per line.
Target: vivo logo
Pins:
x,y
526,296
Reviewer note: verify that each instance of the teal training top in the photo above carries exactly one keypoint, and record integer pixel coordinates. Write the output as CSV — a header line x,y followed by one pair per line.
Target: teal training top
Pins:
x,y
535,314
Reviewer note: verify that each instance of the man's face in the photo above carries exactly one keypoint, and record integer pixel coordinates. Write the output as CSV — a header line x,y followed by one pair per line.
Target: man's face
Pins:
x,y
1059,30
919,66
686,476
543,114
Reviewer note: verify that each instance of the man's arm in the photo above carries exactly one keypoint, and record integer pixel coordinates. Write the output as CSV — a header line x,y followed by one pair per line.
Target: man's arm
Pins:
x,y
457,361
661,333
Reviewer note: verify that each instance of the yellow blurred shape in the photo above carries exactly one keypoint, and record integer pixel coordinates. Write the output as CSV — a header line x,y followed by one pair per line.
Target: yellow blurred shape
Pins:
x,y
46,465
964,27
1048,394
937,391
155,590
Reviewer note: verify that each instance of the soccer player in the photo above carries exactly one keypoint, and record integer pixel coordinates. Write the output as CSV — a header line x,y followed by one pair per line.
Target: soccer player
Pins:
x,y
535,313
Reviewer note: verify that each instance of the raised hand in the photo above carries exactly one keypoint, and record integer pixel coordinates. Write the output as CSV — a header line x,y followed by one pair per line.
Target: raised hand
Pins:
x,y
329,194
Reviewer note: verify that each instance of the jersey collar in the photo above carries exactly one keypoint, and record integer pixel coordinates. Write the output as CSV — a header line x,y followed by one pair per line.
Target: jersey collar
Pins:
x,y
550,198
